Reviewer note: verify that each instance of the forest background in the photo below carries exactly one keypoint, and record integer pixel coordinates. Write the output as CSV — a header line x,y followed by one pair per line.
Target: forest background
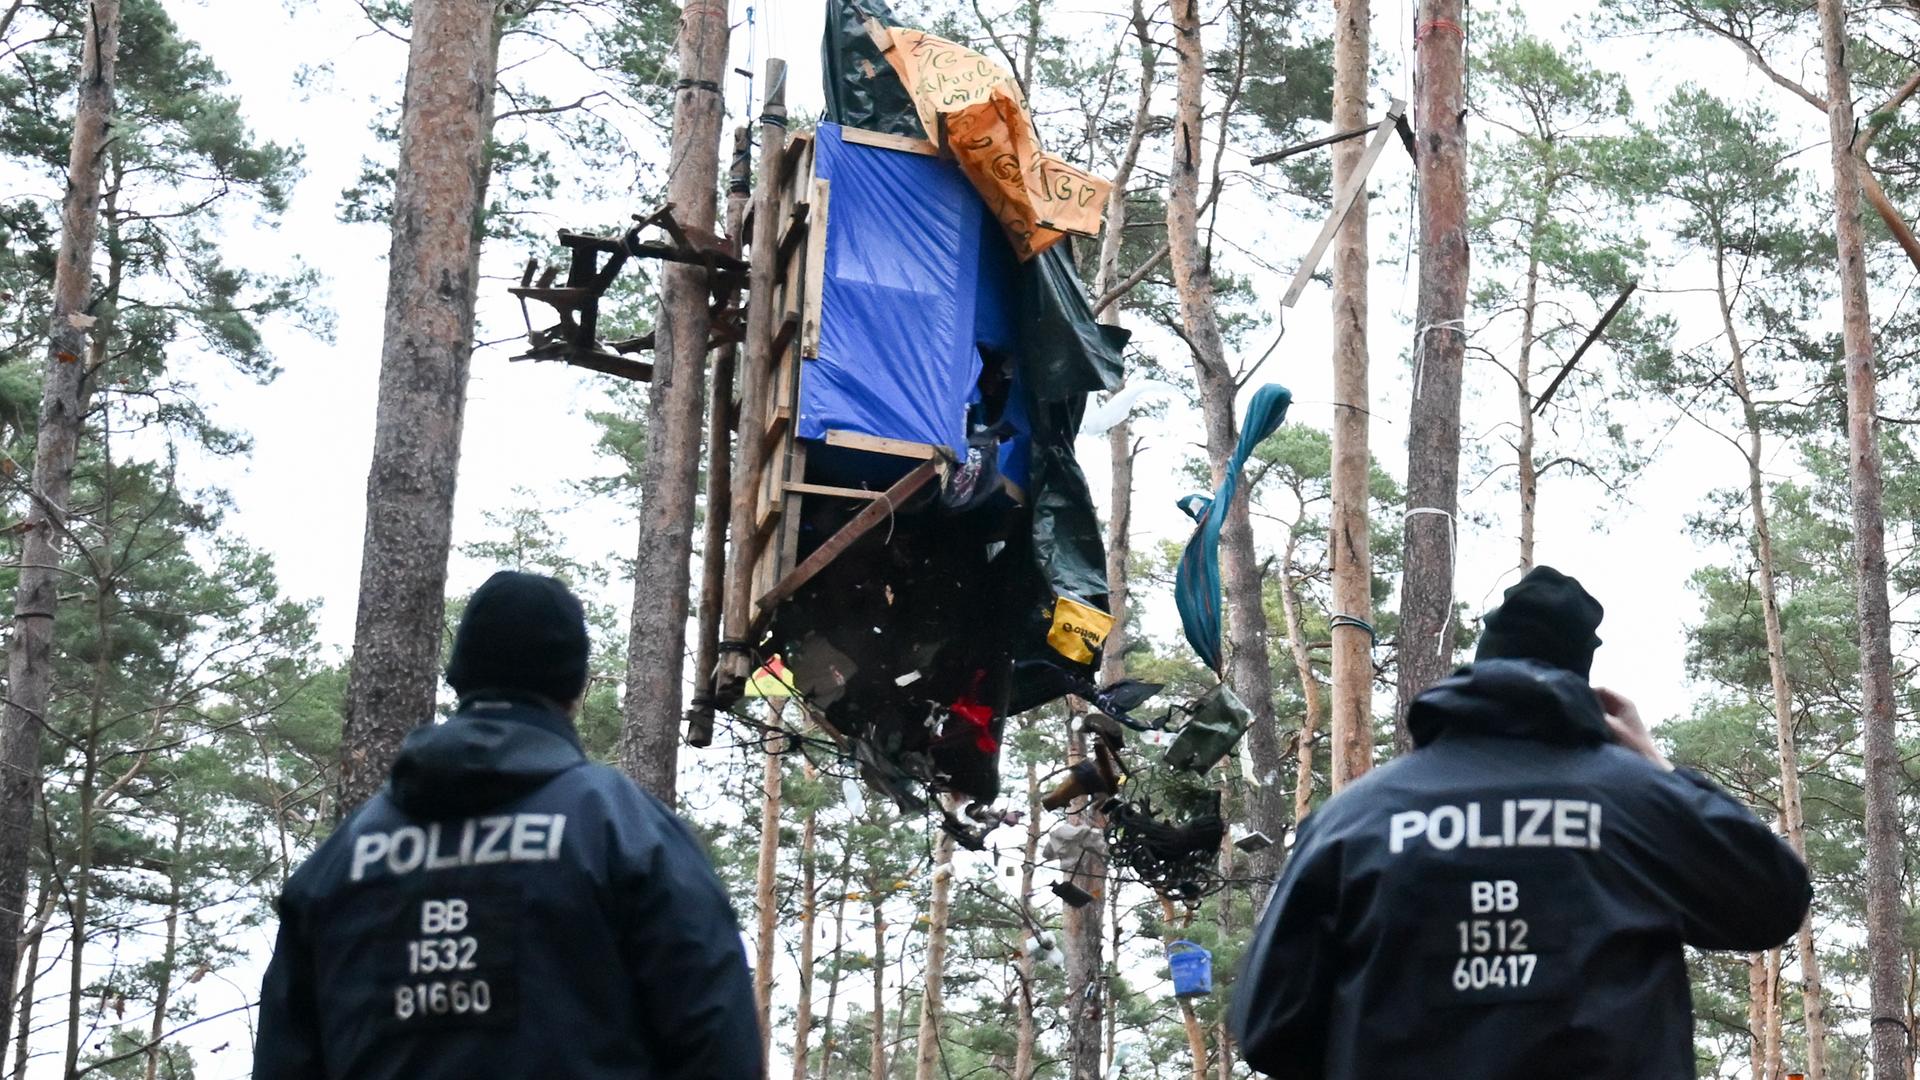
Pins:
x,y
209,615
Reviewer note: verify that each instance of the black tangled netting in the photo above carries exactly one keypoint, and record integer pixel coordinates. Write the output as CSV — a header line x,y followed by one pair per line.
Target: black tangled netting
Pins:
x,y
1179,860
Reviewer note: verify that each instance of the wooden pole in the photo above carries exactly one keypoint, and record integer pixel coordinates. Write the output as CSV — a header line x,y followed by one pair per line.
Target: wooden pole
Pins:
x,y
1885,950
713,540
1347,545
754,377
1433,444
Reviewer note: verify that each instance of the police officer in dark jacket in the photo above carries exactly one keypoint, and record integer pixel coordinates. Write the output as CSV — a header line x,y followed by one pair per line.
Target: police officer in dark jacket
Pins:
x,y
504,908
1509,901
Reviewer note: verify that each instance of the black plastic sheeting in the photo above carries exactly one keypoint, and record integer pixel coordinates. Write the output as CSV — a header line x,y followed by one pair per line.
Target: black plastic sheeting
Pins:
x,y
862,89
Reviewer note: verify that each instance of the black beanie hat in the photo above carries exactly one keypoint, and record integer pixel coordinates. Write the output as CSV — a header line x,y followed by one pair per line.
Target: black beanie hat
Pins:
x,y
521,633
1547,617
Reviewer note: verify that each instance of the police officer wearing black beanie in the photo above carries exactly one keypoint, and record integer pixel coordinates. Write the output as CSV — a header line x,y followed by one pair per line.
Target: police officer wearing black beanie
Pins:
x,y
504,908
1510,900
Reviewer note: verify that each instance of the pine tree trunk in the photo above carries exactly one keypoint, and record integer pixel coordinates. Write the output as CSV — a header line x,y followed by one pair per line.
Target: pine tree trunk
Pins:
x,y
1081,929
1348,541
433,273
164,990
1433,442
1757,1014
1792,812
1773,1065
1027,1032
809,916
828,1042
931,1000
1309,685
1249,670
29,979
765,878
1524,461
1190,1020
877,1059
64,395
656,644
1890,1052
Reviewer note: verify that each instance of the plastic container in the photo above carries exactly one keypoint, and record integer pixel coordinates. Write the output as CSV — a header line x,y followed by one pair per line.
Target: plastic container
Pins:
x,y
1192,969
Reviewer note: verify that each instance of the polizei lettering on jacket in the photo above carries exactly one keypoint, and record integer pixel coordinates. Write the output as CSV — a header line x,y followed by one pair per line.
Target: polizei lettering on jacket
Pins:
x,y
1511,823
484,841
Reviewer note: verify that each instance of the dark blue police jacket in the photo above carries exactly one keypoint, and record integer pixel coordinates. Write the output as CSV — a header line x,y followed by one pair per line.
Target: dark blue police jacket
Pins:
x,y
505,909
1507,902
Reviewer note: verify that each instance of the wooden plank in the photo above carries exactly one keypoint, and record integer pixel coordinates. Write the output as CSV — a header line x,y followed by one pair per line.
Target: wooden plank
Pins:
x,y
783,336
1382,133
789,550
816,270
798,487
791,239
609,364
750,468
874,444
878,511
888,141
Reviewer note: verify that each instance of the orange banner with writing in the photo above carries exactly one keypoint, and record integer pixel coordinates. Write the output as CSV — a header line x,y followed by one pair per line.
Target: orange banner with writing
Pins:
x,y
1036,197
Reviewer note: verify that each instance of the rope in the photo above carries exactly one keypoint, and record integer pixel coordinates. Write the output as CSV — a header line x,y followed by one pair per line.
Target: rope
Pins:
x,y
1357,622
1431,25
1458,326
708,85
1453,558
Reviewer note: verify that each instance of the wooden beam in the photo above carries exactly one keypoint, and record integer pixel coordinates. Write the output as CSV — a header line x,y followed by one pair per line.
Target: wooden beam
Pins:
x,y
753,374
798,487
1342,203
874,444
888,141
816,271
879,510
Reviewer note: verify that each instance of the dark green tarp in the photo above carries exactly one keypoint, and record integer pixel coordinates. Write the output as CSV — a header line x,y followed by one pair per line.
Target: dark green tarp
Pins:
x,y
862,89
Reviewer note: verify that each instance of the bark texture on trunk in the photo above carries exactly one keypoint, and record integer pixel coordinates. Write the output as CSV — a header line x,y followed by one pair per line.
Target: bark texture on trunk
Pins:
x,y
1348,548
63,408
433,267
766,872
1433,441
656,644
809,918
1886,990
1027,1030
1084,944
1249,668
877,1059
1309,685
928,1059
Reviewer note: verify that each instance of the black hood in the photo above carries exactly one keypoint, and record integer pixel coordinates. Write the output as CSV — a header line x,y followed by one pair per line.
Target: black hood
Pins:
x,y
490,753
1519,699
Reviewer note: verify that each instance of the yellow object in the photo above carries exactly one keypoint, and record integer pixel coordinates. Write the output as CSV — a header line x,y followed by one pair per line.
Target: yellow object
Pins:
x,y
1077,629
773,682
1037,198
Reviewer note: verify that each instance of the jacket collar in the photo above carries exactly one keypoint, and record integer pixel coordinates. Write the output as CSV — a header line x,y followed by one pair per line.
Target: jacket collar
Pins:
x,y
1518,699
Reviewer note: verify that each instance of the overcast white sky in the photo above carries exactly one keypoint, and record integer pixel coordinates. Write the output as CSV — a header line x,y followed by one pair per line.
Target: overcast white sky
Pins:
x,y
300,493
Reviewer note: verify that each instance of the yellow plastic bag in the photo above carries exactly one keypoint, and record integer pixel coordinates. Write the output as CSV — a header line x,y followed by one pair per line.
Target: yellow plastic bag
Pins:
x,y
1078,629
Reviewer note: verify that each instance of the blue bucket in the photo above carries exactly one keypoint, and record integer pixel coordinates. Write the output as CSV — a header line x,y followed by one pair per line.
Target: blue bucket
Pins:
x,y
1192,969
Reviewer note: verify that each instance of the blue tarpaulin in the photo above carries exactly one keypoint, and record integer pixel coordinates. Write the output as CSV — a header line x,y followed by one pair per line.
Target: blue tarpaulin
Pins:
x,y
1196,585
898,300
